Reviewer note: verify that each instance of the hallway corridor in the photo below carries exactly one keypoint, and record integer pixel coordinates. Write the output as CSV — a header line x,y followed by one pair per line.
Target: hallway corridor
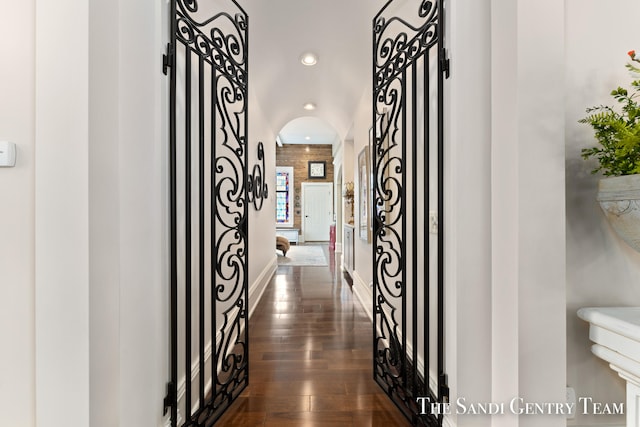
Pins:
x,y
310,356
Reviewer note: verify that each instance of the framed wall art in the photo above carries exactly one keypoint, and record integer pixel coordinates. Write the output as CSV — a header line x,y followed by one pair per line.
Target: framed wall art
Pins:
x,y
364,195
317,169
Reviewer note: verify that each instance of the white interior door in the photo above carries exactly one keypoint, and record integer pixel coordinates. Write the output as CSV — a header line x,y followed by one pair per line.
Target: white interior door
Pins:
x,y
317,210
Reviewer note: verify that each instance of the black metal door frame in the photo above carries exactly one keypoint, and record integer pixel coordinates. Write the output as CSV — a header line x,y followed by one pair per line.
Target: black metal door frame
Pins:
x,y
409,68
207,61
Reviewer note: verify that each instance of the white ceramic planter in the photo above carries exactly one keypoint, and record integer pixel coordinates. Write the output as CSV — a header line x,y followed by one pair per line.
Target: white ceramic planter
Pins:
x,y
619,198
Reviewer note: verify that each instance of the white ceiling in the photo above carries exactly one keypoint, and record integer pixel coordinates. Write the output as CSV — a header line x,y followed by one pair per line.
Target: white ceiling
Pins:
x,y
308,130
339,32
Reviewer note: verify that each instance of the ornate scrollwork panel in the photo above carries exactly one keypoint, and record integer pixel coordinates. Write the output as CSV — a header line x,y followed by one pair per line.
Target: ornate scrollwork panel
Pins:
x,y
209,209
220,39
404,49
257,189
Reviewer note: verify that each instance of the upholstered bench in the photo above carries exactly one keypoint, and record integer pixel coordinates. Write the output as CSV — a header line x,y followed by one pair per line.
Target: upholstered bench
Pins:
x,y
282,243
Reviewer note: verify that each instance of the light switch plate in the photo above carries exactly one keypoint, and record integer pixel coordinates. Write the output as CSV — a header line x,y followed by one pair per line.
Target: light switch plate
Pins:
x,y
7,154
433,222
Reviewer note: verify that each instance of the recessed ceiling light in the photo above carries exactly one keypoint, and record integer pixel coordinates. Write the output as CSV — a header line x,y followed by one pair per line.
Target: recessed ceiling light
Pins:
x,y
309,59
309,106
308,138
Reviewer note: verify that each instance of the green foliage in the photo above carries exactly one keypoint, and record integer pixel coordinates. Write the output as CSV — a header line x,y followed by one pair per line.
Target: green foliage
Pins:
x,y
617,132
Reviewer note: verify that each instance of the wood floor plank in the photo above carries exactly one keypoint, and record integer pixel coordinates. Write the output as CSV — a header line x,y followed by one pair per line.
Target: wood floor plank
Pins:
x,y
310,345
359,403
310,419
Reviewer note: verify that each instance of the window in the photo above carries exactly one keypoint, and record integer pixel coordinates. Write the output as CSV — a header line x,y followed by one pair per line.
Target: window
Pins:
x,y
284,196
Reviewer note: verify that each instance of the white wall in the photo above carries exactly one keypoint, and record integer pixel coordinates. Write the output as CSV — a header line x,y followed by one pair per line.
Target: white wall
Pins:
x,y
101,283
17,251
505,203
338,200
541,200
363,261
143,181
601,269
262,256
467,222
104,215
62,205
347,176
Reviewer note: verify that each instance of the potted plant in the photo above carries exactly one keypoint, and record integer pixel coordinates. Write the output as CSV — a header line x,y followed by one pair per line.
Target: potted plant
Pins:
x,y
617,131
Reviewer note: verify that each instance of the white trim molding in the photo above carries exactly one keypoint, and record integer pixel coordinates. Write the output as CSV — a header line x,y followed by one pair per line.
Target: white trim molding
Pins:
x,y
257,288
448,422
364,294
256,291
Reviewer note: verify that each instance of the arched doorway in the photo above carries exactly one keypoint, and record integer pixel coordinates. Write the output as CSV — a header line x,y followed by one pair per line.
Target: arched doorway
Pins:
x,y
306,151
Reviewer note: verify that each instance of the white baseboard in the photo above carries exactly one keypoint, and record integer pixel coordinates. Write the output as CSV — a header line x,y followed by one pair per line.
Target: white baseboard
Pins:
x,y
448,422
256,290
363,293
596,425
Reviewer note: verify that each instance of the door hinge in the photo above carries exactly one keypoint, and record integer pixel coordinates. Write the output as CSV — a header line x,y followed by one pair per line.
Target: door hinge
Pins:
x,y
170,398
167,59
444,389
445,64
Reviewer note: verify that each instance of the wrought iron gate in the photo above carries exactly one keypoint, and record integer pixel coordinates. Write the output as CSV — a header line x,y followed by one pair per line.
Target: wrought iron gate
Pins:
x,y
207,63
407,150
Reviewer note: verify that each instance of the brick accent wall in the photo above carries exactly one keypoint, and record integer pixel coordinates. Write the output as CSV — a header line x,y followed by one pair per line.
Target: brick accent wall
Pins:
x,y
298,157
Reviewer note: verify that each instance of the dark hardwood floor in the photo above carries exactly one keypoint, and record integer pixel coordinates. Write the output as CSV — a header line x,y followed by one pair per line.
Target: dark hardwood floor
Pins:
x,y
310,348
